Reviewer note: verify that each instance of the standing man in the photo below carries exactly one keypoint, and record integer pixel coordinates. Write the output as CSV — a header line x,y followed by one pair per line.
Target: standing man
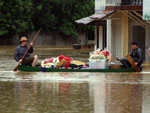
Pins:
x,y
20,50
136,54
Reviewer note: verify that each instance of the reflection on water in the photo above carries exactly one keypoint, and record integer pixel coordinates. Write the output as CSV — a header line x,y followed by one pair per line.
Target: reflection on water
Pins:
x,y
74,93
28,93
23,92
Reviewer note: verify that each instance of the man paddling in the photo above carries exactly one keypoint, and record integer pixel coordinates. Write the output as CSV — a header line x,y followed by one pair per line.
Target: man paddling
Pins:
x,y
136,54
20,50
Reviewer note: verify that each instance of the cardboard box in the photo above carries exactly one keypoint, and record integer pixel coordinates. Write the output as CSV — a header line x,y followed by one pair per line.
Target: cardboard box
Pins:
x,y
97,64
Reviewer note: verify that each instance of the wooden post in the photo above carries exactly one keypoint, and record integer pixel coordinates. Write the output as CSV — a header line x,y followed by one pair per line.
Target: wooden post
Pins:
x,y
133,63
125,35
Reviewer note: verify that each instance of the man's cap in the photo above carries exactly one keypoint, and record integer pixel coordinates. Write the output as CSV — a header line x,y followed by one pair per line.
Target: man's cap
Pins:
x,y
23,39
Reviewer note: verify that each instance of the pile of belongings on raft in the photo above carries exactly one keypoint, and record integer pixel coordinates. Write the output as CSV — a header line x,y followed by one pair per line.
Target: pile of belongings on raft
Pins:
x,y
100,55
99,59
62,62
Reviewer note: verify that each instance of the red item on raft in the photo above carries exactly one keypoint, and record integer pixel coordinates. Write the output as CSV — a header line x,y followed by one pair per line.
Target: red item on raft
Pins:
x,y
67,65
65,58
49,61
107,53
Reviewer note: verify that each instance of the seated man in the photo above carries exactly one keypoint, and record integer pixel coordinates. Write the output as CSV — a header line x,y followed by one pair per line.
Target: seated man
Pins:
x,y
137,56
20,50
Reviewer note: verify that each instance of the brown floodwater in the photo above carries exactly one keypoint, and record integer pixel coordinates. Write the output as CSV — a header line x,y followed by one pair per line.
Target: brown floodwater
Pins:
x,y
38,92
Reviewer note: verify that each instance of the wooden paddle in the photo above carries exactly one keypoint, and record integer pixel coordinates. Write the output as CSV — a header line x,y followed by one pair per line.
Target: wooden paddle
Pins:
x,y
16,68
136,68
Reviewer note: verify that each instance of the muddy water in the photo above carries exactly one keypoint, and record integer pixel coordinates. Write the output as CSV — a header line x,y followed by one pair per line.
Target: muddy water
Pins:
x,y
22,92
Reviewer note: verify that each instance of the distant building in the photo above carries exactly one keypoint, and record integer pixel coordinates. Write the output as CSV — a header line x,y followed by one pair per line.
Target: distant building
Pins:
x,y
117,24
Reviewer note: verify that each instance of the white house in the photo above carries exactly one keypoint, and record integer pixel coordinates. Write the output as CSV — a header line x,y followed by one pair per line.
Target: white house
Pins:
x,y
117,24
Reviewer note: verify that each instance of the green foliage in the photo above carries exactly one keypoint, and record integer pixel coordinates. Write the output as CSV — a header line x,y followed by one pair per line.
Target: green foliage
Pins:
x,y
15,16
18,16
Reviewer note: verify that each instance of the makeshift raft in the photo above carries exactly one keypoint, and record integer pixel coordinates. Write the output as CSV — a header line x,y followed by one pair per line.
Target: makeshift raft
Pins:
x,y
134,68
40,69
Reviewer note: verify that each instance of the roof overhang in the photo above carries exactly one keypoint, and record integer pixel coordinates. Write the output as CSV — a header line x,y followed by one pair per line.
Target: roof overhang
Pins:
x,y
95,17
84,21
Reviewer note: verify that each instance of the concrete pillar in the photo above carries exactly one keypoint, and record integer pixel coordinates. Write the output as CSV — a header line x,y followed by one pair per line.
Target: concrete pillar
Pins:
x,y
147,44
101,37
95,35
109,35
125,35
98,37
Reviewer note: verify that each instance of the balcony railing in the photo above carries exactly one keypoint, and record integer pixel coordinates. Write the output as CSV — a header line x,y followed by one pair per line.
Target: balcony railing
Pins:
x,y
123,2
132,2
102,4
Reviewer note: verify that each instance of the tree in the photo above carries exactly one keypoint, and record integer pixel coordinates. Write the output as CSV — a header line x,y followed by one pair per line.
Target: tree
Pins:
x,y
60,15
18,16
15,16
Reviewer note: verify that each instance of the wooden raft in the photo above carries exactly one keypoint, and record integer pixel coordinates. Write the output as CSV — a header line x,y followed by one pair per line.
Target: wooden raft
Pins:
x,y
133,63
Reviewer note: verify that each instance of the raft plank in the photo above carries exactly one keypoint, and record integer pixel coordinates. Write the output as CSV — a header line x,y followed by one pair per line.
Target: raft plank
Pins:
x,y
39,69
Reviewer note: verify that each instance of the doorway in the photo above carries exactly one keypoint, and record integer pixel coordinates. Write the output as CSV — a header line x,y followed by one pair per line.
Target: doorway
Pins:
x,y
138,35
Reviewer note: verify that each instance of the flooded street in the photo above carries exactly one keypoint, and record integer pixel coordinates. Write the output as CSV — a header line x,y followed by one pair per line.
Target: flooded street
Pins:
x,y
38,92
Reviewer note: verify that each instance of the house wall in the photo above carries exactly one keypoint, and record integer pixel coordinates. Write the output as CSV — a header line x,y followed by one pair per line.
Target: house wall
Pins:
x,y
100,5
144,41
116,39
113,40
118,35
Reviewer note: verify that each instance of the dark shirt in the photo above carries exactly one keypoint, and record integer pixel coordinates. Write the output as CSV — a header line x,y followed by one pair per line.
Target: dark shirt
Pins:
x,y
137,56
19,52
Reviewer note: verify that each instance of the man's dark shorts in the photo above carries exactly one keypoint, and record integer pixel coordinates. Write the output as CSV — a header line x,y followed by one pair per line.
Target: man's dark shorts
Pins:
x,y
28,61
